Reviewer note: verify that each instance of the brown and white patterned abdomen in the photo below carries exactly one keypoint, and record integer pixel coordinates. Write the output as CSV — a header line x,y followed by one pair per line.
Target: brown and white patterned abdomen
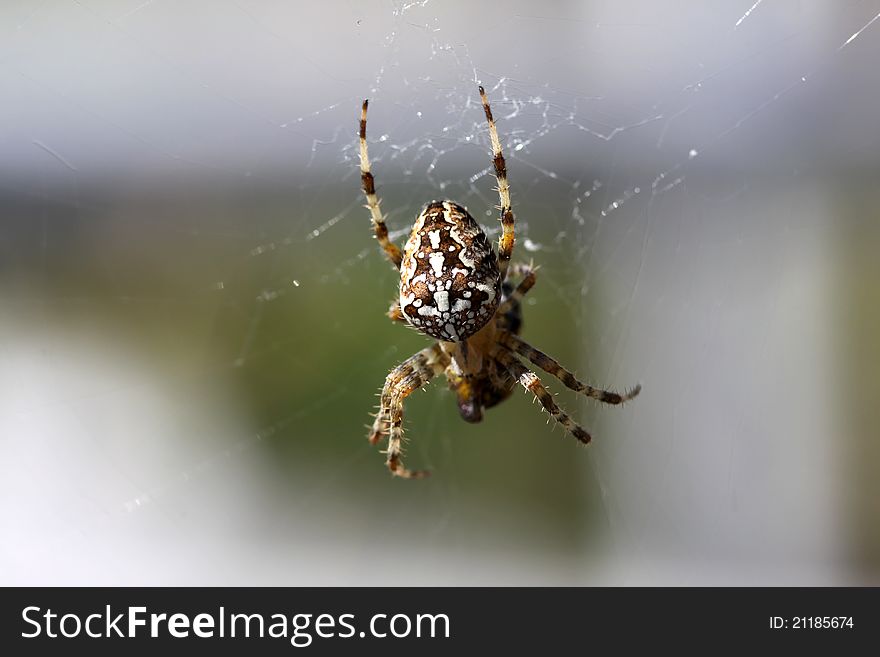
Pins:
x,y
450,285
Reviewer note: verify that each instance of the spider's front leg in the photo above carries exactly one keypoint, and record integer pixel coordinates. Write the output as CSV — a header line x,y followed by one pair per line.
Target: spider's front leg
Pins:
x,y
551,366
409,376
393,382
530,381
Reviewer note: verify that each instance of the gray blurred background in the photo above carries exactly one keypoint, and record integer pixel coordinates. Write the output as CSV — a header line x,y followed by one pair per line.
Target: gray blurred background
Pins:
x,y
192,331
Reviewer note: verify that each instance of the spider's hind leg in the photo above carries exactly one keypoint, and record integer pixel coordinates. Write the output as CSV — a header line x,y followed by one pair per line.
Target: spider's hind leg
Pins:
x,y
368,184
505,242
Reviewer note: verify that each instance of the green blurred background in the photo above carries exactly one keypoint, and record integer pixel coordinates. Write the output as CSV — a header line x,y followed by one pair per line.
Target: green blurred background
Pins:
x,y
194,329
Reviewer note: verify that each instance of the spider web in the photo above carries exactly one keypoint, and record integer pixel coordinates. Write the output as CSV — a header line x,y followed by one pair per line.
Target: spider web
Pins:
x,y
194,331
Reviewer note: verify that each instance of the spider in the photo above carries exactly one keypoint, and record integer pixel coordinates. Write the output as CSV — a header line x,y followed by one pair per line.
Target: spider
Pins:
x,y
455,289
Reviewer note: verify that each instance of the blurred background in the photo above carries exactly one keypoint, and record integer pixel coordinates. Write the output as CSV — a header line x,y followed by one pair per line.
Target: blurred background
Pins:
x,y
192,332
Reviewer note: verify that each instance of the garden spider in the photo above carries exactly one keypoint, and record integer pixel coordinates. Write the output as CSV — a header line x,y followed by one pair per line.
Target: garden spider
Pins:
x,y
455,289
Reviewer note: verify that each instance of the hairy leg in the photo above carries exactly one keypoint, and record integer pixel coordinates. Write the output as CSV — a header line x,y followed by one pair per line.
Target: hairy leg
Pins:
x,y
551,366
407,368
505,242
530,381
403,380
395,314
529,274
369,186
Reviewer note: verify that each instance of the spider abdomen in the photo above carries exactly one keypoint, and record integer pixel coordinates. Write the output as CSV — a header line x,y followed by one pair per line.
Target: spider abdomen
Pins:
x,y
450,284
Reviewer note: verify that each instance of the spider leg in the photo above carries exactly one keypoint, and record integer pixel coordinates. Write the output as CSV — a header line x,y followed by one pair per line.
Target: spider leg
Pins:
x,y
392,382
529,274
522,269
530,381
551,366
505,242
395,314
369,187
410,375
499,384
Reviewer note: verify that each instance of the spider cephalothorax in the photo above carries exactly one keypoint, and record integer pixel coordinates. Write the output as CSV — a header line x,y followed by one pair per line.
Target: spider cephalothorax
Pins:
x,y
455,289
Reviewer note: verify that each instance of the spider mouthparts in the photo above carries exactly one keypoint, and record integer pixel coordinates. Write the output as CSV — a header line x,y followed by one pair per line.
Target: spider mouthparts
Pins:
x,y
471,410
